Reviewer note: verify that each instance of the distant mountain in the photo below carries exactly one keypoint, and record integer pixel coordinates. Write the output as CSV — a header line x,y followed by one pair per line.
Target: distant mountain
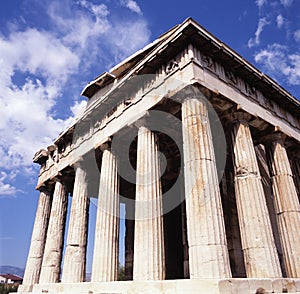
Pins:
x,y
6,269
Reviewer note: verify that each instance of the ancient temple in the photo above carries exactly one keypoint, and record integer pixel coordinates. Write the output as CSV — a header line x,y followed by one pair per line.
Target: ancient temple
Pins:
x,y
202,150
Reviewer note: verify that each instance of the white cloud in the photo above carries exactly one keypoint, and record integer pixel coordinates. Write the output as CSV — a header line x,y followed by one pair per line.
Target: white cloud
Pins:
x,y
286,3
261,24
94,29
132,5
5,188
39,53
78,107
277,60
126,37
297,35
27,121
279,21
84,24
260,3
37,75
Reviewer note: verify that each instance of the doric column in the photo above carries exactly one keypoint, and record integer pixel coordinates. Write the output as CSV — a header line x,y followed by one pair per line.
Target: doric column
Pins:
x,y
232,224
260,255
38,240
55,235
287,205
262,161
75,256
208,254
295,165
106,246
149,256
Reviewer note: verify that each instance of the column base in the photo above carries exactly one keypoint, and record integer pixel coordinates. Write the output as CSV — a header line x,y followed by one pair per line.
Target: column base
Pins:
x,y
217,286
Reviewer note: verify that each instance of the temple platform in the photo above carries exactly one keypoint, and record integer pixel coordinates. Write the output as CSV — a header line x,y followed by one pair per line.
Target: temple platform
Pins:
x,y
186,286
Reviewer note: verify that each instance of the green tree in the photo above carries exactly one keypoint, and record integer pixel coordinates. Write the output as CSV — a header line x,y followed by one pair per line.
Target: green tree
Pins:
x,y
121,273
6,289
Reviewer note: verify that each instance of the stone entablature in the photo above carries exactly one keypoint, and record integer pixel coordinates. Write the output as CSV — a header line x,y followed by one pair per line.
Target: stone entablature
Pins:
x,y
183,67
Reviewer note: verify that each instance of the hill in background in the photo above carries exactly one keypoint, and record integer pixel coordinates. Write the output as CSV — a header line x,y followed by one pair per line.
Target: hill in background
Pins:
x,y
6,269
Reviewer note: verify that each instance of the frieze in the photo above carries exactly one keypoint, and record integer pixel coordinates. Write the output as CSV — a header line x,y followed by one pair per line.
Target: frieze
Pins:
x,y
172,66
231,78
163,72
209,63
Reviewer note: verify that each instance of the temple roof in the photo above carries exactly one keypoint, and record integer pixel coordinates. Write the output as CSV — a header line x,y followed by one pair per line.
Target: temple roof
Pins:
x,y
171,43
118,70
192,32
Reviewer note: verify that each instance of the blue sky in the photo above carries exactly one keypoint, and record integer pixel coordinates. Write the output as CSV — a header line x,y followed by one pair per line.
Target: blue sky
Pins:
x,y
49,50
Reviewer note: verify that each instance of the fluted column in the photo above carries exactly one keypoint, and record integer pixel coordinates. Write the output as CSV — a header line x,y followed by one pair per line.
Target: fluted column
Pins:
x,y
149,255
106,246
75,256
38,240
295,165
232,224
208,254
287,205
50,271
260,255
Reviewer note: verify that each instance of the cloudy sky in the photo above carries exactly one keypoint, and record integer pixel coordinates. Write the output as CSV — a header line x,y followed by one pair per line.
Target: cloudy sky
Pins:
x,y
49,50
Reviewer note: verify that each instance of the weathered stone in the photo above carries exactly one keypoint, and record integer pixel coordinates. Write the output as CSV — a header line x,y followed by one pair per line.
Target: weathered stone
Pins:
x,y
232,225
287,205
149,255
106,244
261,259
261,286
208,254
75,256
50,271
38,239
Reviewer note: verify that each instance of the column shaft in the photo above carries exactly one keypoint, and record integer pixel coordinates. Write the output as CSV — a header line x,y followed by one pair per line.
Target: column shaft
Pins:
x,y
208,254
106,247
75,256
260,255
55,236
287,207
149,255
232,225
295,165
38,239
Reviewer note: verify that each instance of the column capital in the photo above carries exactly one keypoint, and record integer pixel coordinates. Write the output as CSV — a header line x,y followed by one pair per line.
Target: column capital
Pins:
x,y
275,137
241,116
80,163
194,92
106,145
45,188
58,178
